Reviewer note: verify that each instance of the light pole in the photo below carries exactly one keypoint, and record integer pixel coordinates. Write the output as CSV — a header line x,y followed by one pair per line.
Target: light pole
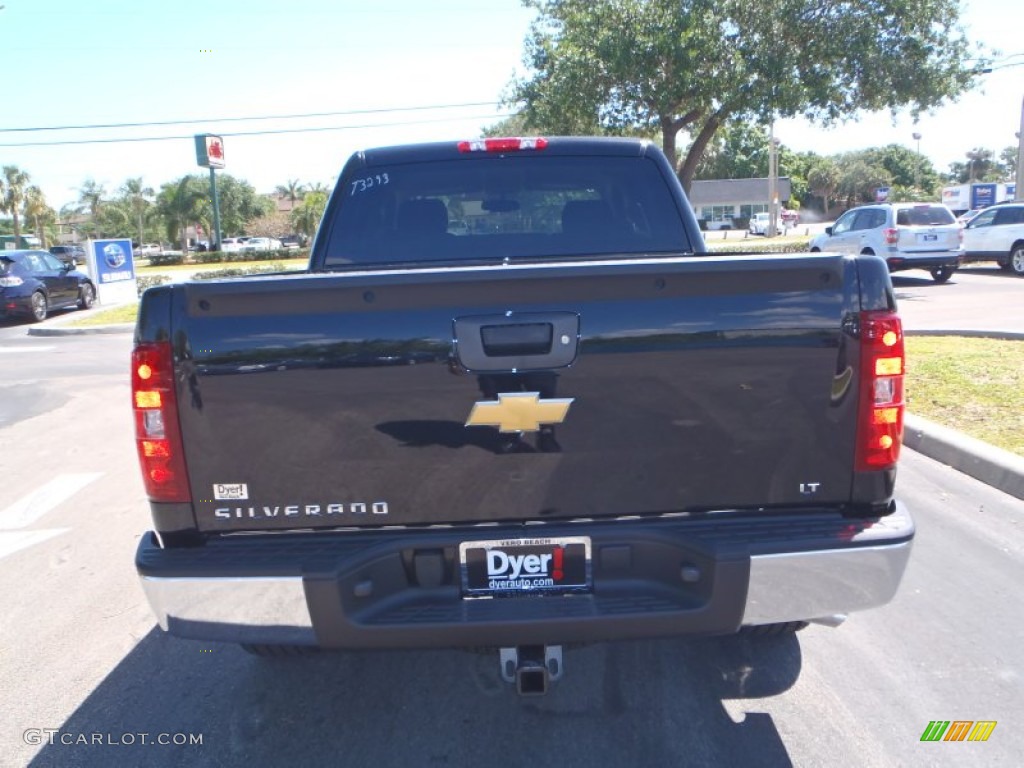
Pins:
x,y
1018,193
917,166
773,183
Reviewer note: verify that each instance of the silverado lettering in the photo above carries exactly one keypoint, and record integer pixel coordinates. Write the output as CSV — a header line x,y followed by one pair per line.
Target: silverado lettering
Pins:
x,y
359,508
728,463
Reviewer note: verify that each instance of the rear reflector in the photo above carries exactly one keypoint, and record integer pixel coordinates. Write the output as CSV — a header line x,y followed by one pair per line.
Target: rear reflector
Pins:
x,y
881,406
157,435
502,145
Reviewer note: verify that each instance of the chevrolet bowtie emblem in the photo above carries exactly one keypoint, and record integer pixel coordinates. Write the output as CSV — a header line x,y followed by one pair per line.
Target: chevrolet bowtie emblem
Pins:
x,y
519,412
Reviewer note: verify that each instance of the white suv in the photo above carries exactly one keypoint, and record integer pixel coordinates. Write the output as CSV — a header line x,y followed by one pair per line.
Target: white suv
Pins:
x,y
997,234
906,235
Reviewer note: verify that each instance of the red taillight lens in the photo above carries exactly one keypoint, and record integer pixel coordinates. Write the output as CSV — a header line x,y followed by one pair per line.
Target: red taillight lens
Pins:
x,y
157,436
892,236
882,360
502,145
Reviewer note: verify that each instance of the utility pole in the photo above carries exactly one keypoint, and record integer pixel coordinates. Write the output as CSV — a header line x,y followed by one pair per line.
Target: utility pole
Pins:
x,y
1018,193
917,167
773,183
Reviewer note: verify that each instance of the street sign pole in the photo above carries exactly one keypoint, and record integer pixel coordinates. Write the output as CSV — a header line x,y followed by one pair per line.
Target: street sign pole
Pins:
x,y
215,240
1018,192
210,154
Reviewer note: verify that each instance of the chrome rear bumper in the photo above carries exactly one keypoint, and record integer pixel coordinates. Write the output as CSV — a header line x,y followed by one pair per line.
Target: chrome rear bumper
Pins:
x,y
863,573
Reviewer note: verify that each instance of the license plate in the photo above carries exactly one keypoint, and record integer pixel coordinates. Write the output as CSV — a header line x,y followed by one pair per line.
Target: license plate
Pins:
x,y
510,567
928,238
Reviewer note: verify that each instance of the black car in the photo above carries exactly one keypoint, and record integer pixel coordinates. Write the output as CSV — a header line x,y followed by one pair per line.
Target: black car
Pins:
x,y
69,254
34,282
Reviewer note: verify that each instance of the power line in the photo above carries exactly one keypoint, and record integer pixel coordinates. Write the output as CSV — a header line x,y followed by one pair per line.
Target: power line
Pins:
x,y
257,117
128,139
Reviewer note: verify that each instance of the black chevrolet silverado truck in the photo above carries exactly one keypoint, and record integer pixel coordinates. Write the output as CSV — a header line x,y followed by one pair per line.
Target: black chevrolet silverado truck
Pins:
x,y
514,403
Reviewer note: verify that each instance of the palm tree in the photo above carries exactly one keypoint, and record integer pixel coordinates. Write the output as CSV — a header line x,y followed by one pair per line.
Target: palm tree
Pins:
x,y
293,191
306,218
178,202
91,198
41,214
15,183
139,199
318,186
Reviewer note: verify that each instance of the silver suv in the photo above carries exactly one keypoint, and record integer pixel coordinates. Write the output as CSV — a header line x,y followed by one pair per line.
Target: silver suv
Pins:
x,y
906,235
997,234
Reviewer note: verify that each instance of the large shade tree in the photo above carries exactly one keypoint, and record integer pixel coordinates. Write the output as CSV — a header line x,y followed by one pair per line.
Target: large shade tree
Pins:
x,y
671,66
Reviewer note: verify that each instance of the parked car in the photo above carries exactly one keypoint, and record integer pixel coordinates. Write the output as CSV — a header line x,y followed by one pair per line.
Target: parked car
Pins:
x,y
966,216
997,234
34,282
232,244
69,254
906,235
148,249
759,223
261,244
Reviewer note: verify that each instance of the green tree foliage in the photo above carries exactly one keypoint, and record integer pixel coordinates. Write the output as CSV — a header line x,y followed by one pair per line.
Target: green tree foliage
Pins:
x,y
1008,163
860,175
239,203
738,151
91,197
292,190
139,199
188,201
15,184
306,217
628,66
823,180
981,166
42,217
178,203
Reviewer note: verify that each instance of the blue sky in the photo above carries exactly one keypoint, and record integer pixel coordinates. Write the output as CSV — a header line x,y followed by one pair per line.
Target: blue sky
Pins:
x,y
117,61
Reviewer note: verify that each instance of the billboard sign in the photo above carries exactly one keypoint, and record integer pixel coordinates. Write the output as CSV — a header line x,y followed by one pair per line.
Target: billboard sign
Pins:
x,y
111,267
983,195
209,150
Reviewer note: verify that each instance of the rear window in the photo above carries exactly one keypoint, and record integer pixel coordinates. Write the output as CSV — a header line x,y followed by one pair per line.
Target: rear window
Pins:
x,y
923,216
495,207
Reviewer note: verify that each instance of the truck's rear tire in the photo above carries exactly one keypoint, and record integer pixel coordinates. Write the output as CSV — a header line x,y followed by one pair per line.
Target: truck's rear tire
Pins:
x,y
773,630
279,651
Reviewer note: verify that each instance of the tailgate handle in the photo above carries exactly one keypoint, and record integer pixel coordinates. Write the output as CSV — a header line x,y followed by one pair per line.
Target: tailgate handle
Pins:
x,y
517,341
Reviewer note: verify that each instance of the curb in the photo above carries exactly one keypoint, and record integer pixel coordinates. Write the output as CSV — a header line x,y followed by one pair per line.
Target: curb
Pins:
x,y
1000,335
82,330
994,466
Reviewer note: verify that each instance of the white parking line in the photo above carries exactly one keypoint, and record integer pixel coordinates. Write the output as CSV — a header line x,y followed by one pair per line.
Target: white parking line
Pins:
x,y
30,508
24,349
11,542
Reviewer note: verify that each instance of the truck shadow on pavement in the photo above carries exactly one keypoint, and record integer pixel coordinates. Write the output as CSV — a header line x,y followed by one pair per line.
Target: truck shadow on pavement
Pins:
x,y
630,703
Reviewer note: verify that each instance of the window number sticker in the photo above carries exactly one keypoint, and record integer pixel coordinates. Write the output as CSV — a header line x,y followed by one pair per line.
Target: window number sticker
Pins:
x,y
369,182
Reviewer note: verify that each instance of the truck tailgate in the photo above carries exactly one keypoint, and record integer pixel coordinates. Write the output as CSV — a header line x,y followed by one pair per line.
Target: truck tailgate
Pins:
x,y
596,390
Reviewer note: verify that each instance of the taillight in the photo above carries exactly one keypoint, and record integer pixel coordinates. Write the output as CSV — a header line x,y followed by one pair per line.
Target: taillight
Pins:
x,y
880,411
502,145
157,435
892,235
